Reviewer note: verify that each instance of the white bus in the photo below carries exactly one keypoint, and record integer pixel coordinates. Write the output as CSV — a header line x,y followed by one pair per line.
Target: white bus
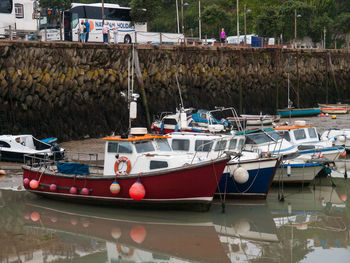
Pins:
x,y
19,14
114,14
7,16
93,14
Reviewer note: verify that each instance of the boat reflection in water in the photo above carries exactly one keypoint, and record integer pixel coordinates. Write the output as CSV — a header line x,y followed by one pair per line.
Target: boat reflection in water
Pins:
x,y
159,236
309,222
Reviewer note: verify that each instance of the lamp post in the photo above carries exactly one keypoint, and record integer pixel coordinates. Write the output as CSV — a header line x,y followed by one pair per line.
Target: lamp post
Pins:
x,y
199,20
324,37
237,21
245,23
182,15
177,17
295,27
103,12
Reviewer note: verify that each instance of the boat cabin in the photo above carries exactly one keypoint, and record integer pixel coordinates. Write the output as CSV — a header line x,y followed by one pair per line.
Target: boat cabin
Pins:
x,y
266,140
299,133
140,152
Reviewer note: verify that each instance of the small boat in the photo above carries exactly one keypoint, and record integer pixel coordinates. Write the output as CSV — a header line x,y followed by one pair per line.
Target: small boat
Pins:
x,y
339,137
260,119
247,174
306,138
138,170
294,167
334,110
298,112
14,147
337,105
183,121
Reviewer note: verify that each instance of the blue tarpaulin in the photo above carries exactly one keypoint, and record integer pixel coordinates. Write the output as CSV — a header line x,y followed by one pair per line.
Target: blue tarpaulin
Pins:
x,y
73,168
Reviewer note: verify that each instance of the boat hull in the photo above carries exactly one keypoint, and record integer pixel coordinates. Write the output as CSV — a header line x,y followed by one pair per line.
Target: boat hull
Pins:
x,y
300,173
192,184
335,110
285,113
261,173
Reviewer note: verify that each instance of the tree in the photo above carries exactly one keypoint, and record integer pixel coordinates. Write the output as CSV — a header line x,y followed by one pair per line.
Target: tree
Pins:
x,y
214,18
267,22
144,10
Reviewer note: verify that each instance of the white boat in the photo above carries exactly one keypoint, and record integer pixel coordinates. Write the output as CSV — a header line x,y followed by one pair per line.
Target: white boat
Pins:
x,y
14,147
294,168
339,137
247,174
306,138
255,120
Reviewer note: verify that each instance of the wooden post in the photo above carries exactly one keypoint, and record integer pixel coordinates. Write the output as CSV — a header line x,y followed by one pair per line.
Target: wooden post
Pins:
x,y
240,83
327,74
10,32
276,76
135,37
298,82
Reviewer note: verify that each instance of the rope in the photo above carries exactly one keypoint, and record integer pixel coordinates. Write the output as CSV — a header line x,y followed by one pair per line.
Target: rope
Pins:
x,y
217,186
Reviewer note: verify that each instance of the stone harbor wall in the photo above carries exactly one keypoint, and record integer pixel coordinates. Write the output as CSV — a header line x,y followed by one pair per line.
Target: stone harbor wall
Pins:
x,y
73,90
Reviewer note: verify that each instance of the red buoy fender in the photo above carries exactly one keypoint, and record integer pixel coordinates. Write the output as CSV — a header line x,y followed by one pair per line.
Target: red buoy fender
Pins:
x,y
123,159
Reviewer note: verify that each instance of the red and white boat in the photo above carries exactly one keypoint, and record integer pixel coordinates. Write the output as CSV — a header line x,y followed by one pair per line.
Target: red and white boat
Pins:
x,y
138,169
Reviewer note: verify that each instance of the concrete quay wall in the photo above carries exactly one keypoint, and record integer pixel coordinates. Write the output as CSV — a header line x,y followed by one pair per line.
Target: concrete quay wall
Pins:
x,y
72,90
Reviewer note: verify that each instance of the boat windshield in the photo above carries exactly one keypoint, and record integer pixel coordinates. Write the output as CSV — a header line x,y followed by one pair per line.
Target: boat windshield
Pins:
x,y
258,138
144,146
119,147
203,145
274,135
163,145
220,145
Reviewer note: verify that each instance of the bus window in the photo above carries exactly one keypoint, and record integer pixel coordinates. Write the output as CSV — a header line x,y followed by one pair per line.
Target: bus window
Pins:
x,y
75,20
6,6
117,14
80,11
93,12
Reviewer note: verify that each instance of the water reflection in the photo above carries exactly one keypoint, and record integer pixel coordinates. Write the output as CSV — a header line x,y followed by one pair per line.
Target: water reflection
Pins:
x,y
311,219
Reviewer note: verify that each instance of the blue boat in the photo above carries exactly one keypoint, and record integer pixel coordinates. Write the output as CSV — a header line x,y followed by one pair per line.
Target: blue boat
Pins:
x,y
298,112
261,174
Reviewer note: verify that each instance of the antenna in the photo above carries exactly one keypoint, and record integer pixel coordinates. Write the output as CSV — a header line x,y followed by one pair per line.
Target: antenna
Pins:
x,y
178,87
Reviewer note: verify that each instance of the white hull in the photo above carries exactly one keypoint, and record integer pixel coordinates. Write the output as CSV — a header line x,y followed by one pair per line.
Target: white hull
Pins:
x,y
298,175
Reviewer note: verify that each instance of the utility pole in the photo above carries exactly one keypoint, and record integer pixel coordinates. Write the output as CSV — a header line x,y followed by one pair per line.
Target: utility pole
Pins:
x,y
238,21
295,28
324,37
177,17
103,13
182,16
199,20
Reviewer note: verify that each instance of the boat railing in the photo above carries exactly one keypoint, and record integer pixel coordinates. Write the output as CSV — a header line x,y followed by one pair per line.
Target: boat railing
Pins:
x,y
92,159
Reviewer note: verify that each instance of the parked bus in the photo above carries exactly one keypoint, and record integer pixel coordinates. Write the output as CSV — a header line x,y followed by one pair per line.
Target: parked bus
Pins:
x,y
114,14
20,15
7,16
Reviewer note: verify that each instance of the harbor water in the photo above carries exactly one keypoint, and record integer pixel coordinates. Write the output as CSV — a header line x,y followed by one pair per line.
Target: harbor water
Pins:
x,y
311,224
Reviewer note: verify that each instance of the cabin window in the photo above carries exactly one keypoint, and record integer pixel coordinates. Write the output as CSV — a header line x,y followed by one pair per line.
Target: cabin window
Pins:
x,y
240,144
158,165
180,145
163,145
4,144
306,147
220,145
144,146
232,145
119,147
203,145
170,121
19,10
285,135
299,134
312,132
6,6
258,138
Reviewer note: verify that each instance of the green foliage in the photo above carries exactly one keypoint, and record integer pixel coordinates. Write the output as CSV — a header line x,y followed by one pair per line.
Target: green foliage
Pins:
x,y
268,18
